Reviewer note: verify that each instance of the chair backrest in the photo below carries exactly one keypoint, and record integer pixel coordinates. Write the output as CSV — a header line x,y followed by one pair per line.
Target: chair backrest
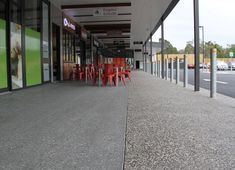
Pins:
x,y
108,69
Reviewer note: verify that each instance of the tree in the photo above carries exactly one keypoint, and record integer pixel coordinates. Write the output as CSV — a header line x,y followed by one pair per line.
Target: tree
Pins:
x,y
230,48
169,48
189,49
220,51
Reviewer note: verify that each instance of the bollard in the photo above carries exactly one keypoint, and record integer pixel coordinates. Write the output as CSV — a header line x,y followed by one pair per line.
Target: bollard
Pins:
x,y
159,69
116,76
167,69
213,73
172,69
177,70
155,69
86,72
185,71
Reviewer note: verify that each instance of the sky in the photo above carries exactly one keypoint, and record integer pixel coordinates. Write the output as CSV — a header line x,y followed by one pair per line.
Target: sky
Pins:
x,y
216,16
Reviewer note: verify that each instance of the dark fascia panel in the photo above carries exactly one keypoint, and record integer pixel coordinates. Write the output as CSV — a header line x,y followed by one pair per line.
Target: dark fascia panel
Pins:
x,y
108,27
96,5
86,22
91,15
113,37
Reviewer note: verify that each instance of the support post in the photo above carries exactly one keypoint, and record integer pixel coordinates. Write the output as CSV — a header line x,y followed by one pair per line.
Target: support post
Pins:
x,y
196,46
177,70
86,72
213,73
185,71
146,69
172,69
167,69
143,55
159,68
99,77
162,49
155,68
116,76
151,53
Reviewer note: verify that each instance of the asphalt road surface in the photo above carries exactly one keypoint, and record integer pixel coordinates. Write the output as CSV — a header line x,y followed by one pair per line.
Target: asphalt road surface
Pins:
x,y
225,81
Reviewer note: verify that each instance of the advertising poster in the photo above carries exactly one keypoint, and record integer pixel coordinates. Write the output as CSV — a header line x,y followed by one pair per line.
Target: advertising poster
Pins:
x,y
33,57
3,62
16,56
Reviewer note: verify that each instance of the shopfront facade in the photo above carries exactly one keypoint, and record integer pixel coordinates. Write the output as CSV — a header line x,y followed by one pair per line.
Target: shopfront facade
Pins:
x,y
39,44
24,43
71,47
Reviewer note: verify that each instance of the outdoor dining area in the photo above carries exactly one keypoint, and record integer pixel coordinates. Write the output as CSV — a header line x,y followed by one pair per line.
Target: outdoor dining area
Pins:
x,y
104,74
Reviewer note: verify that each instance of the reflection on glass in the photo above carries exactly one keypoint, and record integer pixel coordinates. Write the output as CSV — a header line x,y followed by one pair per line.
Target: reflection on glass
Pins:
x,y
45,42
16,56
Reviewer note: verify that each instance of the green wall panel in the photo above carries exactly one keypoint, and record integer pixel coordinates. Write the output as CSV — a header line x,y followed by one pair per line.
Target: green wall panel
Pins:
x,y
3,58
33,57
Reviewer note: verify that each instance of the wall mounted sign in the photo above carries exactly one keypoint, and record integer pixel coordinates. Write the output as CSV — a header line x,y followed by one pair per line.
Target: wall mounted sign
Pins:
x,y
69,24
105,12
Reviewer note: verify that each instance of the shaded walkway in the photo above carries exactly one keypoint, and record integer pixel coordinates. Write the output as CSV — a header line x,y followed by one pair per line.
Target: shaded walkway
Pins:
x,y
169,127
63,126
69,126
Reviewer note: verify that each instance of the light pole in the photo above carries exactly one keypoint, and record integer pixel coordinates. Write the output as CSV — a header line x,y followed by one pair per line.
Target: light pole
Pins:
x,y
203,46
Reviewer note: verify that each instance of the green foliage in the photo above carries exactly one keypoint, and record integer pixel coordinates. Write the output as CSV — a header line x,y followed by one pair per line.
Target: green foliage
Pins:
x,y
170,49
220,51
189,49
231,48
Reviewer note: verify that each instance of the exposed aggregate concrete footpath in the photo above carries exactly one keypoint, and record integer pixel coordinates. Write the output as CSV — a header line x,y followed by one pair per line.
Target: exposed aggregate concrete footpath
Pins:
x,y
169,127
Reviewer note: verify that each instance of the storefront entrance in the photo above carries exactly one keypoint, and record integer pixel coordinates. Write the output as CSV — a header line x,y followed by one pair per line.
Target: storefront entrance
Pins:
x,y
137,64
56,52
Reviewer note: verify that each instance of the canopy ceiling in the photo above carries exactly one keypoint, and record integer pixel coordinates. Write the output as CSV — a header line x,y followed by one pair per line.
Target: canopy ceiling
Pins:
x,y
128,21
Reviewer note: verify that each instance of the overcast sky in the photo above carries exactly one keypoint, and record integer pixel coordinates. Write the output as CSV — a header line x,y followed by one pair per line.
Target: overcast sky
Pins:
x,y
217,17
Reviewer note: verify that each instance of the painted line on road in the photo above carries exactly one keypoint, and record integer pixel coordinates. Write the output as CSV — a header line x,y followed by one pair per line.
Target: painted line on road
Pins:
x,y
220,82
220,72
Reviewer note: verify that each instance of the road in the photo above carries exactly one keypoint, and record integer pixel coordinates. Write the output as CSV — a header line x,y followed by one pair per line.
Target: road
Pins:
x,y
225,81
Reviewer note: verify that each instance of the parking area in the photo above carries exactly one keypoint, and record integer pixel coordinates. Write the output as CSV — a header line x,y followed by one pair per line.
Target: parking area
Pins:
x,y
225,81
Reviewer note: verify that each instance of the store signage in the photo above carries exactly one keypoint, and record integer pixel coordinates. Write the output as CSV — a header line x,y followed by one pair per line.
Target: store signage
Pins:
x,y
68,24
105,12
138,50
231,54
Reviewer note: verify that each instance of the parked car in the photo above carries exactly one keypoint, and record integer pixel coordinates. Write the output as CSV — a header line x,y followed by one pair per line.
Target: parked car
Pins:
x,y
191,66
231,65
221,65
205,66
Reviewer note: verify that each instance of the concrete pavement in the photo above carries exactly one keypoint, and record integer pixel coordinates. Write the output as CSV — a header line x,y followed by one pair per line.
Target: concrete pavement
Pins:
x,y
170,127
72,126
63,126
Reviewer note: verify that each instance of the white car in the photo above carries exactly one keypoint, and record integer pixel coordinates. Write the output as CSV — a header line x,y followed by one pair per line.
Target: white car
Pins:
x,y
221,65
231,65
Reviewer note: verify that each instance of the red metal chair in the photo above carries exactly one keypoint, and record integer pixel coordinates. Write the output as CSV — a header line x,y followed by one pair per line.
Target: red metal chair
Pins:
x,y
121,75
108,74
